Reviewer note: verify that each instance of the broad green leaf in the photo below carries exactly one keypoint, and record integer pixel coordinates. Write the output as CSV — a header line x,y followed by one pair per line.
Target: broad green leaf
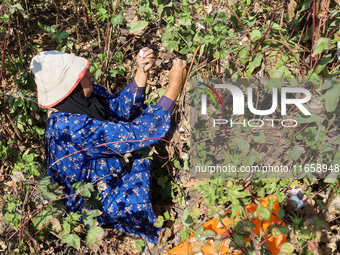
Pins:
x,y
5,17
328,83
287,248
139,244
235,193
118,19
17,7
259,137
276,73
238,241
243,54
279,230
170,45
255,34
324,61
209,38
84,188
242,145
50,191
184,235
187,219
29,157
262,212
135,27
309,119
321,45
295,153
251,158
61,36
72,240
254,62
281,214
244,226
88,217
332,98
45,216
337,157
95,237
159,222
56,226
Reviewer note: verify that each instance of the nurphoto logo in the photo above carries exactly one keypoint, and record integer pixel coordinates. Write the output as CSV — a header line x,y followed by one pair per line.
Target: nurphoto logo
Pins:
x,y
256,127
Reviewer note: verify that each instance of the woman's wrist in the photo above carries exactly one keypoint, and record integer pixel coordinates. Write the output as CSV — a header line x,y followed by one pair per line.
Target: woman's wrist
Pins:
x,y
141,77
172,93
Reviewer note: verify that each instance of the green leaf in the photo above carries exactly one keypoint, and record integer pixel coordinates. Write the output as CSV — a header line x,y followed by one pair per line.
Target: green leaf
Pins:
x,y
140,245
262,212
255,34
279,230
295,153
242,145
244,226
209,38
135,27
287,248
324,61
243,54
332,98
235,193
56,226
170,45
321,45
254,62
184,235
95,237
118,19
38,130
5,17
259,137
251,158
29,157
17,7
49,191
88,217
45,216
187,219
61,36
281,214
84,188
328,83
277,73
309,119
72,240
159,222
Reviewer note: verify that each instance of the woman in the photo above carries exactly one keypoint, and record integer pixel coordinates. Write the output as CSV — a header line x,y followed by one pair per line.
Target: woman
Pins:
x,y
90,130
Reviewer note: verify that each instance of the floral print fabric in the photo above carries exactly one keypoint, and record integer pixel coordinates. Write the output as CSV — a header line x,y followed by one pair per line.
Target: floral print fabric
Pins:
x,y
84,149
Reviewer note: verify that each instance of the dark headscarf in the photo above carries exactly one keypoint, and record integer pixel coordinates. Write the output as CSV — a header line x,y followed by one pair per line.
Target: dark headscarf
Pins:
x,y
76,102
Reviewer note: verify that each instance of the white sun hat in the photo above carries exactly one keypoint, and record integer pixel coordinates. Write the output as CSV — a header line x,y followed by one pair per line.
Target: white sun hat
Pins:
x,y
57,74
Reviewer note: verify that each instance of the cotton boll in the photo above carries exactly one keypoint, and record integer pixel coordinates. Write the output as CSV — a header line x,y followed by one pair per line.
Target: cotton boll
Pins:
x,y
295,199
141,54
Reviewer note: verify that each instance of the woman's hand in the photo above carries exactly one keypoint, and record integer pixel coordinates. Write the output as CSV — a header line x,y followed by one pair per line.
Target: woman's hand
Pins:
x,y
143,66
177,78
146,61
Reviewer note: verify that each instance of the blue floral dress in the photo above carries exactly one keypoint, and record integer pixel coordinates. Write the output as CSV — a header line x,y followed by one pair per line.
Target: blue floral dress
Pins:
x,y
80,148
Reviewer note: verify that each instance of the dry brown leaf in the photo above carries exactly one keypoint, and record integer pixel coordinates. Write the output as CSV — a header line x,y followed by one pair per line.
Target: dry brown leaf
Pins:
x,y
18,177
12,184
198,246
126,156
291,9
152,151
189,183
